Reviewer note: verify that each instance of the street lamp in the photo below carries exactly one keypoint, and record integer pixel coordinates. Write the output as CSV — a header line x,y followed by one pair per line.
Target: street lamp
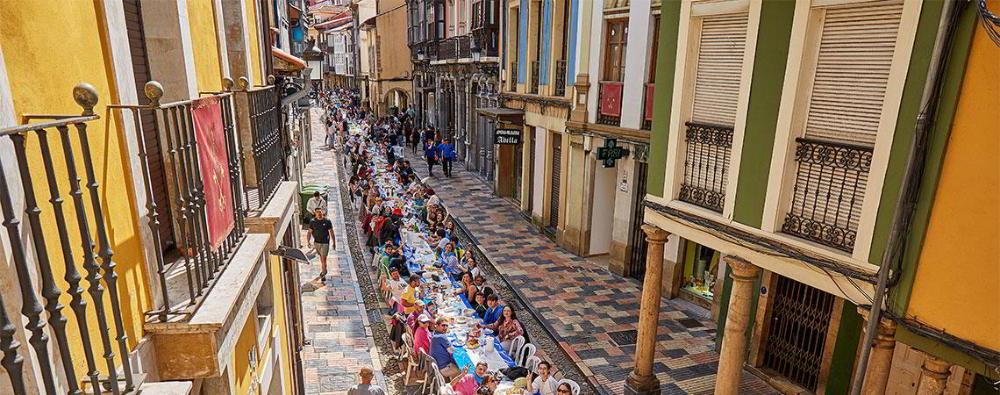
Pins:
x,y
476,51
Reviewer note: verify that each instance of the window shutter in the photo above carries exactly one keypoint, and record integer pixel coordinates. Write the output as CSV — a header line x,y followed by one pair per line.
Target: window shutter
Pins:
x,y
720,63
852,71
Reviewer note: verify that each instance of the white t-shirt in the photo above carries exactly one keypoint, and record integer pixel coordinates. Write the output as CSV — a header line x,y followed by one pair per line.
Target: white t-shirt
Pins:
x,y
396,287
316,203
548,387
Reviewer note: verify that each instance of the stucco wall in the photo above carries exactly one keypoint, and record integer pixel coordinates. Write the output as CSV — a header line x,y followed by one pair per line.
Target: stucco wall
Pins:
x,y
205,45
958,274
42,66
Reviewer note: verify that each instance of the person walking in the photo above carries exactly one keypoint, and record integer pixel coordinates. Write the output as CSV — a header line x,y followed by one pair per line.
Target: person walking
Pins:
x,y
446,154
321,236
430,154
316,202
366,387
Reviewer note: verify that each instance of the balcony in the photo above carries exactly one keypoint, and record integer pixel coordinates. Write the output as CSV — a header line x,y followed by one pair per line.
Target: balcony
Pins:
x,y
560,79
706,165
647,106
829,190
535,74
454,48
513,76
64,246
610,103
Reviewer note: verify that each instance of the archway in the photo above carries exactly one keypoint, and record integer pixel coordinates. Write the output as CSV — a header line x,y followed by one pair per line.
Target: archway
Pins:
x,y
397,99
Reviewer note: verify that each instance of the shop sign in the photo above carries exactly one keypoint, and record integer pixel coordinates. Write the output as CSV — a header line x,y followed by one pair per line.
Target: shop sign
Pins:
x,y
507,136
611,152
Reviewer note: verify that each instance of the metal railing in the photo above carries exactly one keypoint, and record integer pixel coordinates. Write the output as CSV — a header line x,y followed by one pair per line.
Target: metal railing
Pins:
x,y
829,190
535,73
604,117
61,153
185,278
269,142
513,76
560,78
706,165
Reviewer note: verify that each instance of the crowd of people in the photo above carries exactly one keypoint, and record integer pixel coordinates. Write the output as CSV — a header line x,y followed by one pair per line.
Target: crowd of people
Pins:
x,y
398,212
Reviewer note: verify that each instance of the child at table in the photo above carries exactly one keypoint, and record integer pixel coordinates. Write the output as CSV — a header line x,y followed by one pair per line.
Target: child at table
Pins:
x,y
468,383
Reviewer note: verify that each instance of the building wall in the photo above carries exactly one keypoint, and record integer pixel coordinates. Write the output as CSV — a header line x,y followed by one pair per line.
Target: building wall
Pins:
x,y
392,52
960,260
205,45
41,81
253,30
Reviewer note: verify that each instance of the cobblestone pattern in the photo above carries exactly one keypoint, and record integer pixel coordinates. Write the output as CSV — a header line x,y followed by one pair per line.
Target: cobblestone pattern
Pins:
x,y
582,302
341,336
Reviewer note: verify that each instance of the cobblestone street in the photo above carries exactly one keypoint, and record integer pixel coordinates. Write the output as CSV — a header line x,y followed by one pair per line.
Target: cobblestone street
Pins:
x,y
590,310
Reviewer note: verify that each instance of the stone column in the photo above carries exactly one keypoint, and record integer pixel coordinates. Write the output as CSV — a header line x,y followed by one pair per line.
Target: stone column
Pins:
x,y
641,380
934,376
734,340
880,359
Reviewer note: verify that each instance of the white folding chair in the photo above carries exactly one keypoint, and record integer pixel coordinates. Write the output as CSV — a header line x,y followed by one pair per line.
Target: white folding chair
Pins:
x,y
515,346
532,363
439,381
527,351
572,385
429,367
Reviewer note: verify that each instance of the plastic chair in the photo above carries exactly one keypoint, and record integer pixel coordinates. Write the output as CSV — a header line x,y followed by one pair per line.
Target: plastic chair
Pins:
x,y
412,360
572,385
532,364
527,351
515,346
429,368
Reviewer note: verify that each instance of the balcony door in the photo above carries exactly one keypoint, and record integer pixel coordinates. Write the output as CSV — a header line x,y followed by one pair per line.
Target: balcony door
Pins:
x,y
151,135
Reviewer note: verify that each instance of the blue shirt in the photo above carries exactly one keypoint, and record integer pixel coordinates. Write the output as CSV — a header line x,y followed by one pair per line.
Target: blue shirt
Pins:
x,y
439,349
430,151
492,315
446,151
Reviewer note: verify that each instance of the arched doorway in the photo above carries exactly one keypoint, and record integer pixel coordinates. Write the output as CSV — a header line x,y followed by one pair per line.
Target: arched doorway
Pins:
x,y
395,100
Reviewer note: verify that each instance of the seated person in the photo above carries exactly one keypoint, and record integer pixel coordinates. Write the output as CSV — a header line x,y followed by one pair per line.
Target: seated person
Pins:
x,y
479,304
396,260
441,351
493,311
468,383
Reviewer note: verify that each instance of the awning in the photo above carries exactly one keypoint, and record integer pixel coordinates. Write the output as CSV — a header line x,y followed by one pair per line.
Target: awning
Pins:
x,y
335,22
285,61
503,114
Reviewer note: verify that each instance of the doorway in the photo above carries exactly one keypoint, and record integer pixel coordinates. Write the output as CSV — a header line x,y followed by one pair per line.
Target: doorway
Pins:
x,y
796,338
553,220
636,267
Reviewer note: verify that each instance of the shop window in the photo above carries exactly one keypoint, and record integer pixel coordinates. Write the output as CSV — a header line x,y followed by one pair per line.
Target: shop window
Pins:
x,y
701,271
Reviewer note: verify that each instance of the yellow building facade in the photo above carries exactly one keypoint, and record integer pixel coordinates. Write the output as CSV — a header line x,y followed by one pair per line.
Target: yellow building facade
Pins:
x,y
109,275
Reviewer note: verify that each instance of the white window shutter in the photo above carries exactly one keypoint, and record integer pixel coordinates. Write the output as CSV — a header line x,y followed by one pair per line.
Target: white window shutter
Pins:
x,y
852,71
720,65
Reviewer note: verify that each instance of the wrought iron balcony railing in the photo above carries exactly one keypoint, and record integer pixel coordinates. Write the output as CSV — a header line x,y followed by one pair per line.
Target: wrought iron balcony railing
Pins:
x,y
60,145
207,197
609,97
270,145
706,165
647,107
535,73
560,79
829,189
513,76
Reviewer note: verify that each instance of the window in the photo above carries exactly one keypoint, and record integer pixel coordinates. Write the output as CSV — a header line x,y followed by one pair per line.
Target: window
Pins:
x,y
654,49
709,135
843,114
614,50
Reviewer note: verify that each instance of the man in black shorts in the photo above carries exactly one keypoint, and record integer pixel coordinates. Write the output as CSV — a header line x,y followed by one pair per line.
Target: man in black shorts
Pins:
x,y
321,235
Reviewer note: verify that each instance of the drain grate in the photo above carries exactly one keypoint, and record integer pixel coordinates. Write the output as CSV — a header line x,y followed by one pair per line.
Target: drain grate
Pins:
x,y
624,338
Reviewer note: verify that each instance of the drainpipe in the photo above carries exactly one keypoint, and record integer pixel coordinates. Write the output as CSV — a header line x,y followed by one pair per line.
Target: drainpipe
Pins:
x,y
903,216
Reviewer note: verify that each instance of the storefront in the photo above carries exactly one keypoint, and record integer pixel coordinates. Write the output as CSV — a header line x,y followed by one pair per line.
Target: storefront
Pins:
x,y
700,274
507,156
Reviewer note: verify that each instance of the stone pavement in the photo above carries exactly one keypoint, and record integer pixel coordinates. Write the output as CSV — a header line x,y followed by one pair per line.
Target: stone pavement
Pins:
x,y
337,327
592,312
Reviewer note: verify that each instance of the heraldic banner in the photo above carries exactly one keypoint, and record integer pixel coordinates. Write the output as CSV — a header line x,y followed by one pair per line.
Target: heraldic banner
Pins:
x,y
211,141
611,99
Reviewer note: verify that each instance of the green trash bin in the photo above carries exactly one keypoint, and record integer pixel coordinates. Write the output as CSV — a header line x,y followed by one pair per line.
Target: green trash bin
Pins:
x,y
306,193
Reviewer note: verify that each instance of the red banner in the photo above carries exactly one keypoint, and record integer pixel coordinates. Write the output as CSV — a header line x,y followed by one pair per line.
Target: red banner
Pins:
x,y
648,114
212,158
611,99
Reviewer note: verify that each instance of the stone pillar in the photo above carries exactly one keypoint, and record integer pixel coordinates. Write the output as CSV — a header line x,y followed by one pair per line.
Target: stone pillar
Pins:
x,y
734,340
641,380
934,376
880,359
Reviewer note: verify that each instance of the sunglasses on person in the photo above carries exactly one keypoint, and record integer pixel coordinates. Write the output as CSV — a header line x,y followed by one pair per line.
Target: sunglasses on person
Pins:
x,y
563,391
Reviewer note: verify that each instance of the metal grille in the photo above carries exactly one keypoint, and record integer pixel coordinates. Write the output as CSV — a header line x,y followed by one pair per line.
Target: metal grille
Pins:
x,y
61,145
513,76
535,70
829,190
269,143
800,320
556,180
560,78
706,165
637,258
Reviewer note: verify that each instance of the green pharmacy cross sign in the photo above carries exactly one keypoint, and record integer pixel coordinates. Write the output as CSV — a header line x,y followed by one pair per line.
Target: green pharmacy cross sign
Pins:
x,y
611,152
